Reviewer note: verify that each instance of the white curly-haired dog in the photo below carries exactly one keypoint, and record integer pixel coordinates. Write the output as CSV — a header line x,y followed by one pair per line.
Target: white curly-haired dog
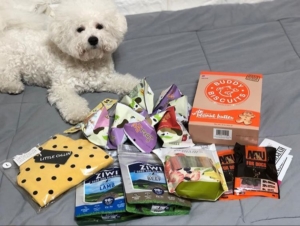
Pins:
x,y
71,56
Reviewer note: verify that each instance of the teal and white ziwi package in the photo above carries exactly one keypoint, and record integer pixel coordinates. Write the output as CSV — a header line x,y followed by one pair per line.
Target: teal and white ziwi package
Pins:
x,y
100,199
101,194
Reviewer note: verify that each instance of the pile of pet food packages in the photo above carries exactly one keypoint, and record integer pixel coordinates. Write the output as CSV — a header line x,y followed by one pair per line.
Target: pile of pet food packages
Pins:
x,y
136,176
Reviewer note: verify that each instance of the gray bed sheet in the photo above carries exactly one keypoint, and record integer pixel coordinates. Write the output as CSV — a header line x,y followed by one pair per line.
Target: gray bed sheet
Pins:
x,y
173,47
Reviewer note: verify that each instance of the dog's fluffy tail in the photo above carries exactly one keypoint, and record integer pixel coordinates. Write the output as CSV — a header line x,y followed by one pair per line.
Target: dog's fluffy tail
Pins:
x,y
19,17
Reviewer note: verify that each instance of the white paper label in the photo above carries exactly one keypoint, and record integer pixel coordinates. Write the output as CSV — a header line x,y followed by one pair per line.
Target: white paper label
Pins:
x,y
281,171
20,159
222,134
282,151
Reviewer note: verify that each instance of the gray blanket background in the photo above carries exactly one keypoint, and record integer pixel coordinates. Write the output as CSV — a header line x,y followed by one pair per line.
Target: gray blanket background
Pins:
x,y
173,47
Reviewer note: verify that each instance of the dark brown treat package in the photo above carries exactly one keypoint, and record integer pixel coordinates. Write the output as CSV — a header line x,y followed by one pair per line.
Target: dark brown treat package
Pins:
x,y
255,171
227,161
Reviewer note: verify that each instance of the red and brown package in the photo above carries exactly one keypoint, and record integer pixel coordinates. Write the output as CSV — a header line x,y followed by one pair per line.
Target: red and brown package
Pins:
x,y
255,171
227,160
172,132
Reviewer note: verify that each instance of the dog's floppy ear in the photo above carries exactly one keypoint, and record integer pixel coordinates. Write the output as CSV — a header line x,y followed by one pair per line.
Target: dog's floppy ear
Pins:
x,y
117,23
56,30
116,26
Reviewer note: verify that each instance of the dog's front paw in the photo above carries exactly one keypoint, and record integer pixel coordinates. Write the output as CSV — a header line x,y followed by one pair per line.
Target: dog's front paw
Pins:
x,y
75,112
13,87
129,85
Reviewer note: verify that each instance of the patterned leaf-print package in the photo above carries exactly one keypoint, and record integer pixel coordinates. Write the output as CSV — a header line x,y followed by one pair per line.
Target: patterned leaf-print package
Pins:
x,y
123,115
46,172
167,95
100,199
145,185
134,105
106,103
182,109
143,95
96,127
193,173
227,160
255,172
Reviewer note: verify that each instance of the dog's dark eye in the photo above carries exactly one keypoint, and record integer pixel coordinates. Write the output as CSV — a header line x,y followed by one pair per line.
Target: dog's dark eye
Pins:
x,y
80,29
99,26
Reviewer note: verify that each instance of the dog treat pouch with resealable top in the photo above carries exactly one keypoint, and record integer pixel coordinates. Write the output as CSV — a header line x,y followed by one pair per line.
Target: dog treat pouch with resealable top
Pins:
x,y
58,165
145,185
193,173
255,173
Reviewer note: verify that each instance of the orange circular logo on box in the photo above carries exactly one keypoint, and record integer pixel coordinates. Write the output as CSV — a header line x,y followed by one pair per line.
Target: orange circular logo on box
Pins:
x,y
227,91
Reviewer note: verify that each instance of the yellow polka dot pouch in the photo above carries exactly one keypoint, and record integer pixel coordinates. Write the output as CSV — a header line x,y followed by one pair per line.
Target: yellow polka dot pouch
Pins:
x,y
48,171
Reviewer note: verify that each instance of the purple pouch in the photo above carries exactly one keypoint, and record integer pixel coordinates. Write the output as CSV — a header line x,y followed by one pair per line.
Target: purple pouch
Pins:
x,y
109,145
142,135
123,115
95,127
165,97
116,137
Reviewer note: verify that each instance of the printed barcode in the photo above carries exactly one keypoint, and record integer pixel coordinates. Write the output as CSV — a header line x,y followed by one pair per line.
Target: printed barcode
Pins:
x,y
222,132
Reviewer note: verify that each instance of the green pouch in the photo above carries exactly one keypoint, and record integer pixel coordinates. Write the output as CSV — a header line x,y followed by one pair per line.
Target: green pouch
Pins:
x,y
193,173
107,218
157,209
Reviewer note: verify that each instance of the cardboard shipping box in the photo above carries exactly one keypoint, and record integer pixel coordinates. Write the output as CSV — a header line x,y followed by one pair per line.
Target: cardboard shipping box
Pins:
x,y
226,108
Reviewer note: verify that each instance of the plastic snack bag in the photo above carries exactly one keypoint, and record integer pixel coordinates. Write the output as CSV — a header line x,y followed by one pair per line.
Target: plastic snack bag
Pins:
x,y
182,109
172,132
227,161
123,115
145,185
167,95
143,95
134,105
256,173
96,127
107,103
193,173
46,172
100,199
143,134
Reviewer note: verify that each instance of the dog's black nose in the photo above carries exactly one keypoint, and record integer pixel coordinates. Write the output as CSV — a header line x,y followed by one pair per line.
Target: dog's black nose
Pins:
x,y
93,40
